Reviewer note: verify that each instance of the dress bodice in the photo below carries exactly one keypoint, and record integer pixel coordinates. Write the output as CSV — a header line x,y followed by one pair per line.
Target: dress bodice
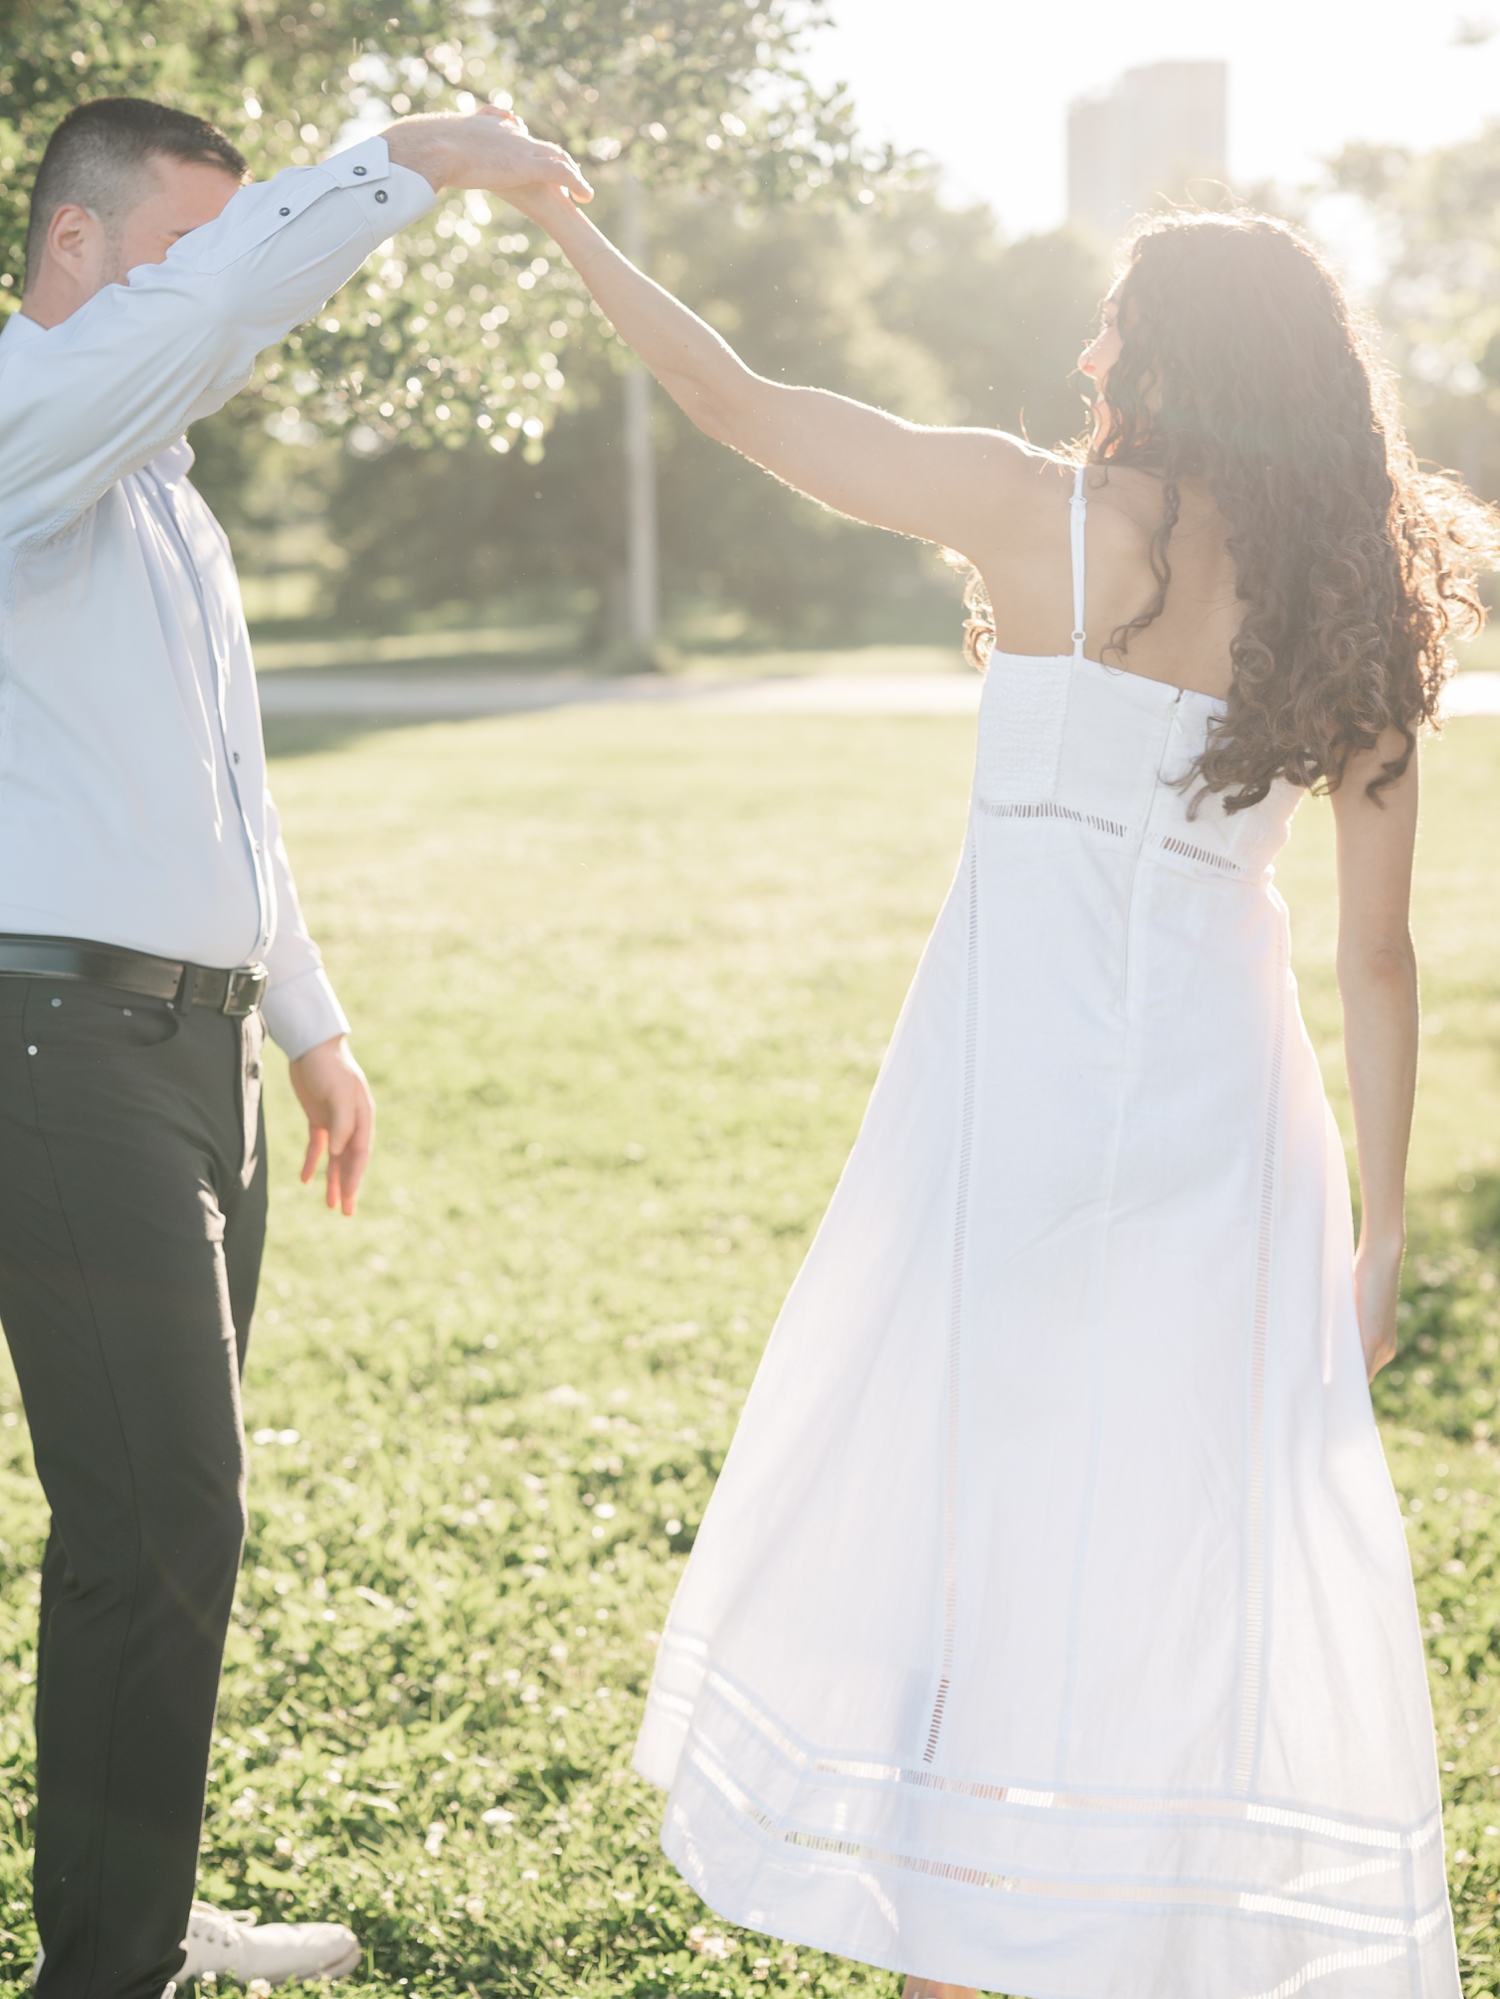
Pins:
x,y
1066,738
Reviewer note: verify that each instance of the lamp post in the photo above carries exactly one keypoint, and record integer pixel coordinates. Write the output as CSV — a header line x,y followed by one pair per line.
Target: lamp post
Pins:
x,y
642,566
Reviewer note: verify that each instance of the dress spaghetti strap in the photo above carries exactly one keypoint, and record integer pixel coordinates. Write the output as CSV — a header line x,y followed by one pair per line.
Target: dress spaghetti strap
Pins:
x,y
1078,508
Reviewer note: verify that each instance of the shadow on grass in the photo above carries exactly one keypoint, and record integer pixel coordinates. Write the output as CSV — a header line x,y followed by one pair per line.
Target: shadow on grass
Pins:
x,y
312,737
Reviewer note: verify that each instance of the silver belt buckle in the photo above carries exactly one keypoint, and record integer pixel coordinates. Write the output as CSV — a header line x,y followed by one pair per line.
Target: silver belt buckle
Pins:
x,y
245,983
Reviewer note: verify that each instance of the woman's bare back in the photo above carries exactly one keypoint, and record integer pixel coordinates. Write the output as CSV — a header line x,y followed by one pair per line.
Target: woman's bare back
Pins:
x,y
1026,572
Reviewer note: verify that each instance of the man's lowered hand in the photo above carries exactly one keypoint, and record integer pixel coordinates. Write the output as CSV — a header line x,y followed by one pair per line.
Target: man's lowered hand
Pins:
x,y
332,1089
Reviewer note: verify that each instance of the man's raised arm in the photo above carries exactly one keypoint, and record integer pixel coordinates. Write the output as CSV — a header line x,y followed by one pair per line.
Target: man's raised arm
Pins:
x,y
126,373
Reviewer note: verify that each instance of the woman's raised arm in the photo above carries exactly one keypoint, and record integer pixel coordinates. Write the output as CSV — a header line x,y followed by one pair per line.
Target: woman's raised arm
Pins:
x,y
944,485
1377,972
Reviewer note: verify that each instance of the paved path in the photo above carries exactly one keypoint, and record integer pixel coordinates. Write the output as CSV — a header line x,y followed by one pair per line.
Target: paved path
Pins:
x,y
331,695
1473,694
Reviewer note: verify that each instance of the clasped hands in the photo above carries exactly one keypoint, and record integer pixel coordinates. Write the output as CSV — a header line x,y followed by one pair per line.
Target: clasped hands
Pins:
x,y
489,149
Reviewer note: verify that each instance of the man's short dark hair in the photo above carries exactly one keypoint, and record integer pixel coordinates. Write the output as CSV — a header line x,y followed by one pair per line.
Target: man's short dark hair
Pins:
x,y
99,154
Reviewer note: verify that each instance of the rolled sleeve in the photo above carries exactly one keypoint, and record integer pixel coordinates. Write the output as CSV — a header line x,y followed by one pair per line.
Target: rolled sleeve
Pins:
x,y
388,196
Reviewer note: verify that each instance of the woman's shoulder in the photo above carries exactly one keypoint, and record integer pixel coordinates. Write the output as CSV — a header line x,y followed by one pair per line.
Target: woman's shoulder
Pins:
x,y
1027,491
1020,495
1032,472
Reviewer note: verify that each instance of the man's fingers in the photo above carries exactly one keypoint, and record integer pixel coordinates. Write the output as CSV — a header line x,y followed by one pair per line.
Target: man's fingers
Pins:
x,y
317,1137
349,1145
568,179
575,183
544,161
342,1128
341,1125
512,118
552,164
566,171
355,1157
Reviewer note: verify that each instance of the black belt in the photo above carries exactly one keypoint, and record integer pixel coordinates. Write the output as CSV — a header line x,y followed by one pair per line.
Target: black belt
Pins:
x,y
236,993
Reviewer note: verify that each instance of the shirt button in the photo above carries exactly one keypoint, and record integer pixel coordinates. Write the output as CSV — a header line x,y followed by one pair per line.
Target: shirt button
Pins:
x,y
235,754
286,211
381,195
361,170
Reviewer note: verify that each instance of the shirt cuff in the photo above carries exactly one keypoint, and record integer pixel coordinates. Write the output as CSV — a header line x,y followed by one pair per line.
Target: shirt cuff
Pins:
x,y
301,1012
403,192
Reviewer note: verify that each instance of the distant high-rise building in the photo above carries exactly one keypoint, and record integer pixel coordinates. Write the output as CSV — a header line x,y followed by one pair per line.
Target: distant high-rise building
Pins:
x,y
1145,141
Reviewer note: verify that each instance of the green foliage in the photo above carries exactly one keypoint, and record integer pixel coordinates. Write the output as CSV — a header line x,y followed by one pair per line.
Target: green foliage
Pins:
x,y
698,92
1438,217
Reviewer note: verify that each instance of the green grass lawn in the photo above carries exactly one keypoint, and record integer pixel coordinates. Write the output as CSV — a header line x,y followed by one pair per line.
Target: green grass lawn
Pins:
x,y
622,981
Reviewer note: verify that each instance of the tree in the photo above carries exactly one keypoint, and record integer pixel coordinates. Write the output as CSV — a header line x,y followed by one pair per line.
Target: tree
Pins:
x,y
456,331
1437,215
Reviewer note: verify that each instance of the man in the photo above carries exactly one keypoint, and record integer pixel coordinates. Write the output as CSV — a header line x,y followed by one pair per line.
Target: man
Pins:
x,y
148,922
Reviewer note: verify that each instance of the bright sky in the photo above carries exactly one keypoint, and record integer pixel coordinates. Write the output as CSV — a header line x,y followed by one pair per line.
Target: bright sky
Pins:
x,y
984,85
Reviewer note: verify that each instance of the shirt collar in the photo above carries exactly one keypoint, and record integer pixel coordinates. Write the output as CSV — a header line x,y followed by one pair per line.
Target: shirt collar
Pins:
x,y
19,328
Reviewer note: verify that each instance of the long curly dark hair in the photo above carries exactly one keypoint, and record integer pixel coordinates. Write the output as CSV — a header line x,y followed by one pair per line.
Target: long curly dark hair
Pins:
x,y
1242,363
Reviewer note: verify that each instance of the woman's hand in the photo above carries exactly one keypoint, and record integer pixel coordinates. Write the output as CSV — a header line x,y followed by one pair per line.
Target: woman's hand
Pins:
x,y
545,203
1377,1291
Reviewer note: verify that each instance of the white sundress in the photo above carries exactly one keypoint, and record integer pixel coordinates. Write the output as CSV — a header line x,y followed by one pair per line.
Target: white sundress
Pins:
x,y
1051,1628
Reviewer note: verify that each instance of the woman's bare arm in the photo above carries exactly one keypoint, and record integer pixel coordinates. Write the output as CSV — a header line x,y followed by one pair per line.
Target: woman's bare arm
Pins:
x,y
1377,972
939,484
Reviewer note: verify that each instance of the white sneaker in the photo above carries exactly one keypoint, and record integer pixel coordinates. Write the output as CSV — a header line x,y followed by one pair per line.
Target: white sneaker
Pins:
x,y
234,1945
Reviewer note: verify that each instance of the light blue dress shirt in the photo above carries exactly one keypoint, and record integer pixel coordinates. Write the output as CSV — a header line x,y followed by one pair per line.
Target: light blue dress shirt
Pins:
x,y
133,801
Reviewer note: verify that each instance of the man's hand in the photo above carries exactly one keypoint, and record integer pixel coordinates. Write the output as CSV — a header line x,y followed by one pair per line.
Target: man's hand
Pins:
x,y
489,149
331,1088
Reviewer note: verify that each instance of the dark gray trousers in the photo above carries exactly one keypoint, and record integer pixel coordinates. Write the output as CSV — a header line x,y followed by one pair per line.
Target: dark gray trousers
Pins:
x,y
132,1217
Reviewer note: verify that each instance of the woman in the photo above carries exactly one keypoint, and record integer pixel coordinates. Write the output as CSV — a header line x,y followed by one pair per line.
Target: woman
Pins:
x,y
1051,1629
